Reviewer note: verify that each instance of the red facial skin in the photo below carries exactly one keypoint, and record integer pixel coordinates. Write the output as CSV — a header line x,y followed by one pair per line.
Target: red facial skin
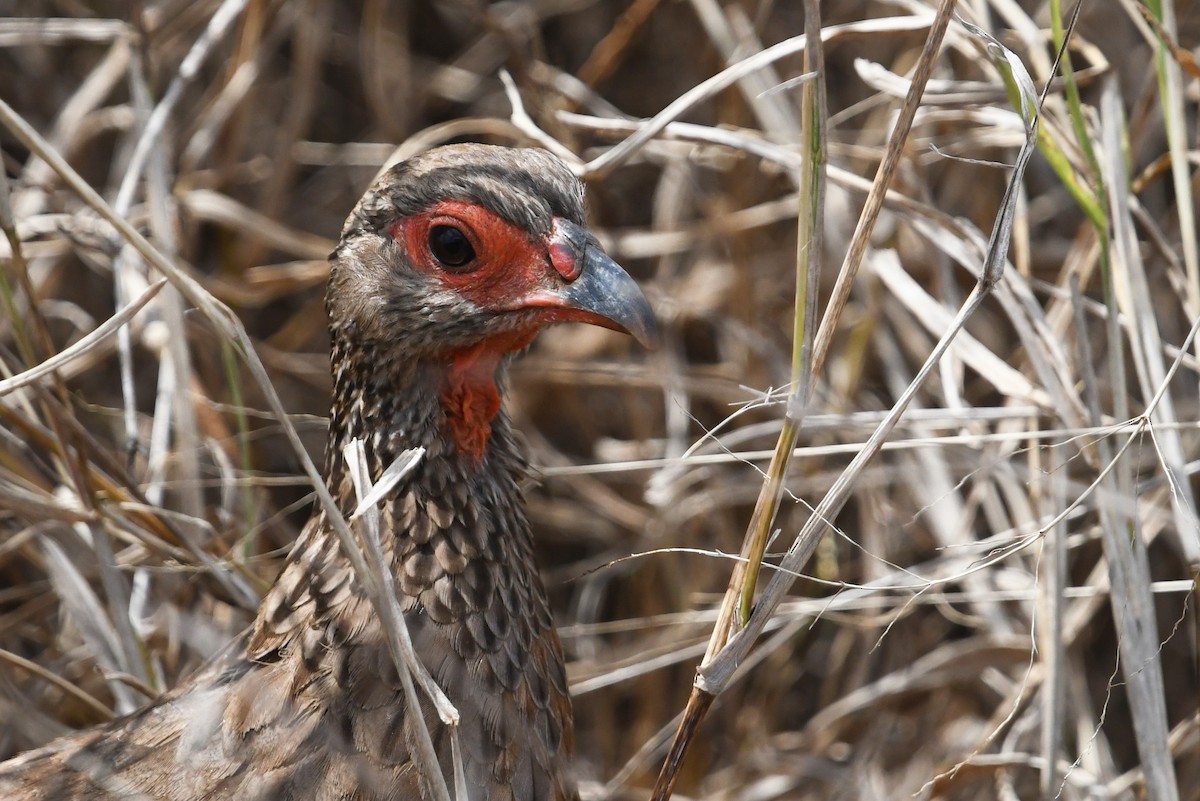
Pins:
x,y
510,271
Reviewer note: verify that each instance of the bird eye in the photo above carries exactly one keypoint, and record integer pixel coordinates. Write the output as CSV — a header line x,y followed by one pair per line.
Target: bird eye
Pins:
x,y
451,247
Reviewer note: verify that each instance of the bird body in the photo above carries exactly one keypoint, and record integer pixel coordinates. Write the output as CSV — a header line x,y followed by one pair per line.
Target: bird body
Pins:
x,y
452,261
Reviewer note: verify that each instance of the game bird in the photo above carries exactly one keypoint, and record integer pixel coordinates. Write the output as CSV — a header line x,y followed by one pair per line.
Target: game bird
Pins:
x,y
453,261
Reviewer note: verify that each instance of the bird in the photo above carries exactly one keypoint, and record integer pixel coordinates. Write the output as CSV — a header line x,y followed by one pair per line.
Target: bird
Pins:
x,y
450,264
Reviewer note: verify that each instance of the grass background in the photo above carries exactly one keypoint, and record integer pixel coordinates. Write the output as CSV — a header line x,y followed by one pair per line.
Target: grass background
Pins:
x,y
1006,605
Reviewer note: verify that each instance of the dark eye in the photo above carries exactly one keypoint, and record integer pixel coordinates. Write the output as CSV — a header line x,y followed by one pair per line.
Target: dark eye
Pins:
x,y
451,247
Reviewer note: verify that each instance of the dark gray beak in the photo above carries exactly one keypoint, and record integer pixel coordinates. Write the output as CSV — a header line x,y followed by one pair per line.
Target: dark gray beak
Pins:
x,y
603,291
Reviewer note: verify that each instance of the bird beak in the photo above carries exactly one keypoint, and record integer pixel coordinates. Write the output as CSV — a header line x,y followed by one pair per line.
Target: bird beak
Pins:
x,y
607,291
595,289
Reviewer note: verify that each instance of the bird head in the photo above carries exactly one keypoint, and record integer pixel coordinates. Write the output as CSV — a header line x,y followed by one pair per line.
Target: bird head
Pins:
x,y
462,255
467,243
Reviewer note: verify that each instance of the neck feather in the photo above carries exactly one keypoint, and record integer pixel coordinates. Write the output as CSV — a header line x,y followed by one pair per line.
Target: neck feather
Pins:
x,y
450,405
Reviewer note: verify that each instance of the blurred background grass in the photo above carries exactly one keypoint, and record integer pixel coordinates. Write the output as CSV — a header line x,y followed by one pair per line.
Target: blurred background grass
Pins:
x,y
936,680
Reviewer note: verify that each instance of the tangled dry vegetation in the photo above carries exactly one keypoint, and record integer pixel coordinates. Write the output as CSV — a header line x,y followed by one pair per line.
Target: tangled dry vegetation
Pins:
x,y
1004,606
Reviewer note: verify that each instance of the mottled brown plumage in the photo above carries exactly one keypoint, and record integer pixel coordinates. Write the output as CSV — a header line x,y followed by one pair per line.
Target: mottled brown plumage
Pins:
x,y
307,704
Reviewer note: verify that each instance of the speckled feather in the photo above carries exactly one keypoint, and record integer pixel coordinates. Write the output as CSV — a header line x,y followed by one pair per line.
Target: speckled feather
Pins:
x,y
307,704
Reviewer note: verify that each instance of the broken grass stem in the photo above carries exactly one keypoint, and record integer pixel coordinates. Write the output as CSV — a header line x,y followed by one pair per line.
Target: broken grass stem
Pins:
x,y
371,567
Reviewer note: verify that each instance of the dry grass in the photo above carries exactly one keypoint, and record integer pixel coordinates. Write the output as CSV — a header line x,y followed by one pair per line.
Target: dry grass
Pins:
x,y
1005,605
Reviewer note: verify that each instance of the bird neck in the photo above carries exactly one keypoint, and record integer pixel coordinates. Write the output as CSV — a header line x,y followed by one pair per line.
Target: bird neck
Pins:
x,y
449,404
454,508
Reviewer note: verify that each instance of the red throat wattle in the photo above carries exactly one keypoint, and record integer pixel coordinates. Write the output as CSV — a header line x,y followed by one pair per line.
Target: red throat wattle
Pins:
x,y
470,397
